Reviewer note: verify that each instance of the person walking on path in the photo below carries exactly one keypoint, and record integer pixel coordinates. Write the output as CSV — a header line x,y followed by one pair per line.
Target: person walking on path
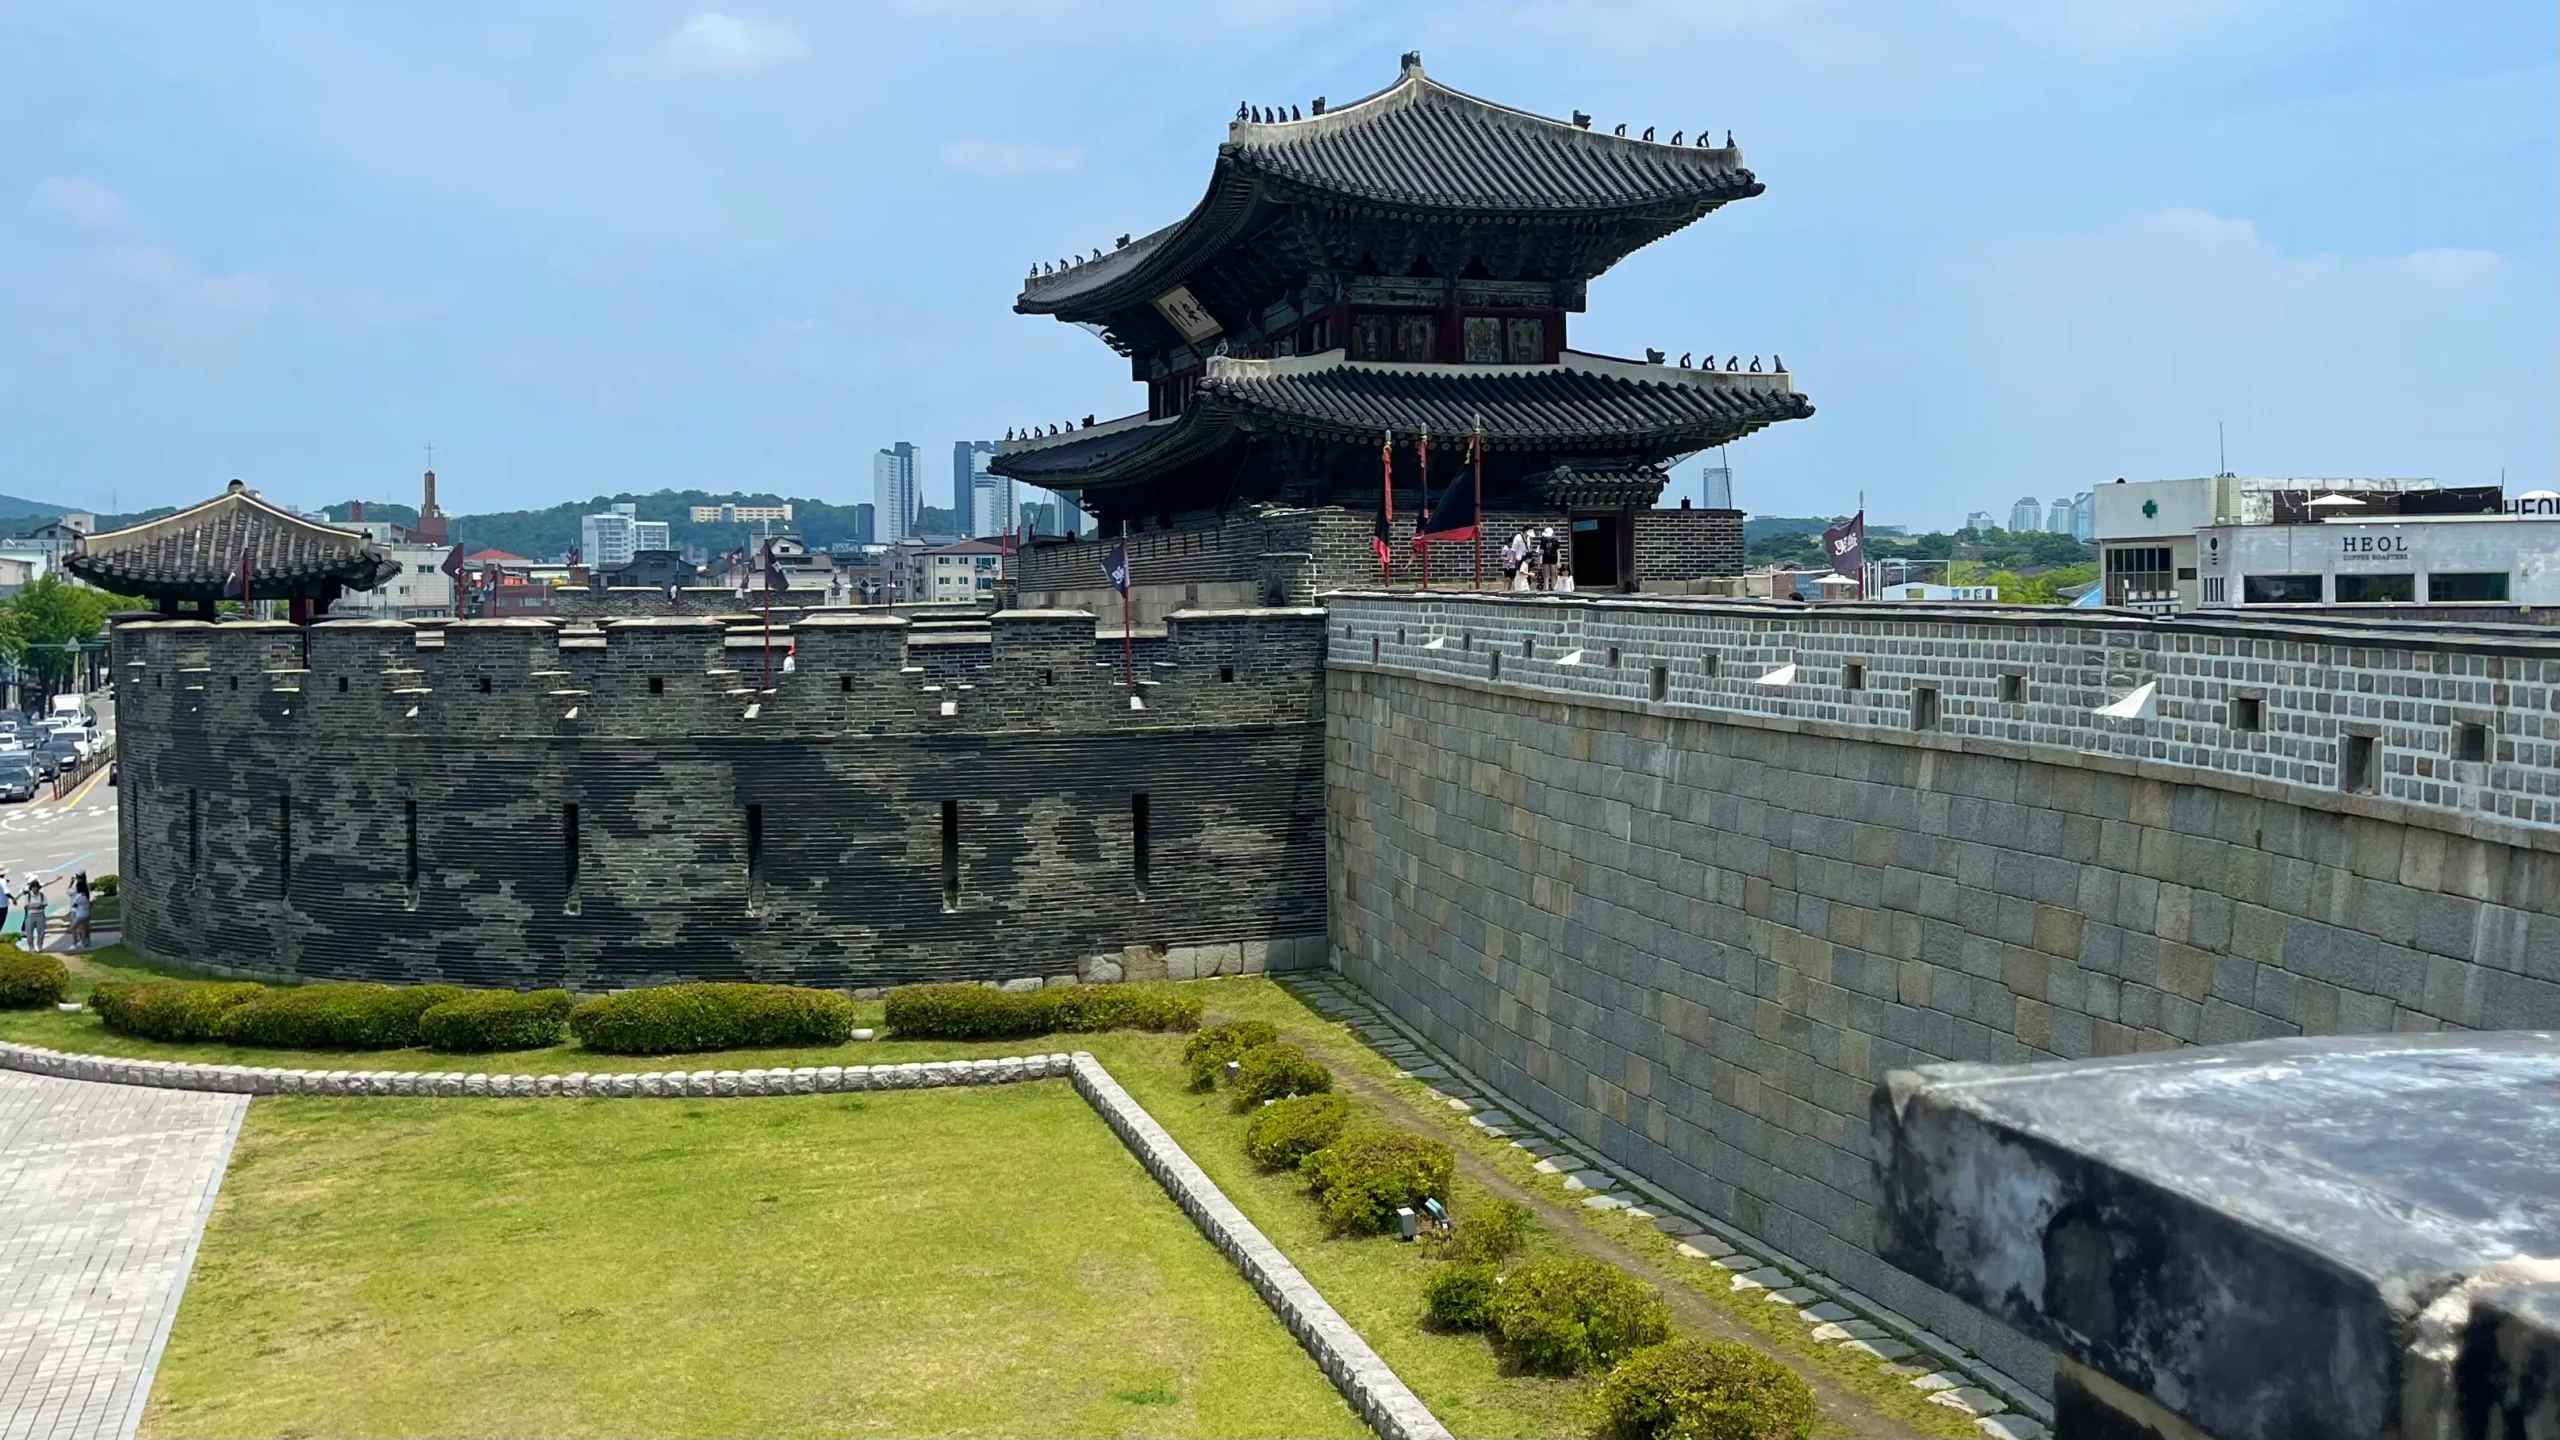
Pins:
x,y
35,913
80,913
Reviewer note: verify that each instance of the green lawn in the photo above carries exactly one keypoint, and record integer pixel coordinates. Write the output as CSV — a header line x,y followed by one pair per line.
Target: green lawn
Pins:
x,y
965,1262
1375,1283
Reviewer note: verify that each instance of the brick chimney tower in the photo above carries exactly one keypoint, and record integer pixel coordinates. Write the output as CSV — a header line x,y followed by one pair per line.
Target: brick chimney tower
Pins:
x,y
431,528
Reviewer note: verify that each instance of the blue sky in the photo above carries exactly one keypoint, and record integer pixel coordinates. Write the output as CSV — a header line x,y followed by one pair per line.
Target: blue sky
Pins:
x,y
2008,246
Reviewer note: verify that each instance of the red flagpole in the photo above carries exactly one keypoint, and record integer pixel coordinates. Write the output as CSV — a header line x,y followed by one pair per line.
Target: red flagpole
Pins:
x,y
1422,547
1475,455
1128,648
1387,501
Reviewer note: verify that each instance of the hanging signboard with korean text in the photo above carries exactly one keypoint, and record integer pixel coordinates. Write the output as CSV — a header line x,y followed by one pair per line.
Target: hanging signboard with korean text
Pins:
x,y
1184,312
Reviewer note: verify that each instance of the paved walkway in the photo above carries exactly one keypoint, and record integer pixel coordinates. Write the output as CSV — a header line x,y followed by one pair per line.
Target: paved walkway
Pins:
x,y
103,1191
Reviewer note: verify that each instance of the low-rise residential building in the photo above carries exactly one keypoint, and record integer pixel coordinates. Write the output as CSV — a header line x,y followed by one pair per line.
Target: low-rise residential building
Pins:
x,y
961,573
728,514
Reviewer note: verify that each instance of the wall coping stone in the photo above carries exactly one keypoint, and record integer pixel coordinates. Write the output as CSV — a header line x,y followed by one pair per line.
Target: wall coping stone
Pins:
x,y
2132,646
2329,1208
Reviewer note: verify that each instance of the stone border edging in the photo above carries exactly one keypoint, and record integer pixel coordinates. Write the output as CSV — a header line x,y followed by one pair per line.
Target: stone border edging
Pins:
x,y
1373,1389
653,1084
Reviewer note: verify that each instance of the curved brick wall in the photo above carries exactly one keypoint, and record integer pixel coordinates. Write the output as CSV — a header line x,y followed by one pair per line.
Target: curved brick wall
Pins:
x,y
654,730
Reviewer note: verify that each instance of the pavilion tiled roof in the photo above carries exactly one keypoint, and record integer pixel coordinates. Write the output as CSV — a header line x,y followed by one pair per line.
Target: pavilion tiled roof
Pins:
x,y
196,553
1417,148
1584,404
1581,399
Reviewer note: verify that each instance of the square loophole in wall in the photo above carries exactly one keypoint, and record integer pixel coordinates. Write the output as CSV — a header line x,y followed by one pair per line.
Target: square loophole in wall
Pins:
x,y
1853,675
1661,682
2013,688
1924,707
1226,674
2248,712
2359,764
2470,742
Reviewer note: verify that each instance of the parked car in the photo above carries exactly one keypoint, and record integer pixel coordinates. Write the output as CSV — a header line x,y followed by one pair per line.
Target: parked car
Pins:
x,y
17,782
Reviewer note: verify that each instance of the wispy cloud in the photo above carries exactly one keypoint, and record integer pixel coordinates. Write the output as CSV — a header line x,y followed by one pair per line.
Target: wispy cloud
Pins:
x,y
714,41
157,267
998,157
84,202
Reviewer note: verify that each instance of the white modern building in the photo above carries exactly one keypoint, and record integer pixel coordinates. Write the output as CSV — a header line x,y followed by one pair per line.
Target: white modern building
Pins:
x,y
652,535
2027,514
895,493
611,538
730,514
2084,517
2404,560
1979,520
2228,540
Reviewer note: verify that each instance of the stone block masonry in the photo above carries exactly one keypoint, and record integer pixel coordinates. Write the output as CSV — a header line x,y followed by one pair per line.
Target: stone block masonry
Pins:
x,y
1692,919
514,803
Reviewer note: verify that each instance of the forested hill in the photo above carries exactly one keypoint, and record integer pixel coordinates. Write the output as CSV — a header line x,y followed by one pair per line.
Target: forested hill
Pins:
x,y
541,534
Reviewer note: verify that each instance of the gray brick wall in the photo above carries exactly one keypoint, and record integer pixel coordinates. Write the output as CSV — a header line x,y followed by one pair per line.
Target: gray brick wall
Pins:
x,y
1696,932
656,731
1688,544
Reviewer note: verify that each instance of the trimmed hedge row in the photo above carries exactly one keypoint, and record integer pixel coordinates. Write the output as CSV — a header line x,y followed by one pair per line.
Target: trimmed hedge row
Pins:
x,y
353,1016
666,1020
171,1009
497,1020
1562,1317
1705,1390
1360,1180
962,1011
28,979
1275,1072
1286,1132
1206,1054
679,1019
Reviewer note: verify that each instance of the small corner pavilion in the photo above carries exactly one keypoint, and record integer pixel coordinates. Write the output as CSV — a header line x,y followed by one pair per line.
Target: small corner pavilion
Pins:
x,y
204,554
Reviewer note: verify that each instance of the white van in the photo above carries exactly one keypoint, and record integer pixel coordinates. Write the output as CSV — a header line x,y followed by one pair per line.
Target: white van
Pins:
x,y
74,708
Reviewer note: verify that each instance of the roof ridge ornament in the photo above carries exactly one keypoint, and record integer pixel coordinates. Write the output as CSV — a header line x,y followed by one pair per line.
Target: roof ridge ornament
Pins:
x,y
1412,64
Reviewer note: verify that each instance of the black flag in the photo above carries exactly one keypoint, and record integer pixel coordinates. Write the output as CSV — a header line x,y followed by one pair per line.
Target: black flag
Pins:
x,y
775,581
1846,545
1453,515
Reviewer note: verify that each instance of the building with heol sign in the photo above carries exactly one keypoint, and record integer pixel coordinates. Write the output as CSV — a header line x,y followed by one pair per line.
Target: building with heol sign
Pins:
x,y
2184,544
1360,277
2414,559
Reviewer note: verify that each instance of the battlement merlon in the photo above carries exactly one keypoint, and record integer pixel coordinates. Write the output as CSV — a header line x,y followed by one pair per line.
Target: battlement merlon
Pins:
x,y
829,673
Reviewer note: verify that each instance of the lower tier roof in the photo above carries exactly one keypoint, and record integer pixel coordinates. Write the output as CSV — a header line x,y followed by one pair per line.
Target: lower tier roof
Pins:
x,y
1582,405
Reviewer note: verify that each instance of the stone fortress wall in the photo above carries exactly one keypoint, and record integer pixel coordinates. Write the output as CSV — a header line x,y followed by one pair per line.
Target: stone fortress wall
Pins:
x,y
517,803
1693,918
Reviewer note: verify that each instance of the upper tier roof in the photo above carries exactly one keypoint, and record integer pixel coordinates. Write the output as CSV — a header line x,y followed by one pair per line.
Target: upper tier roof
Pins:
x,y
196,553
1584,404
1416,149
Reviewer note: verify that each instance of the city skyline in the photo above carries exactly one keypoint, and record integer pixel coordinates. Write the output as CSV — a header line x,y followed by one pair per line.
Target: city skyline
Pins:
x,y
2178,239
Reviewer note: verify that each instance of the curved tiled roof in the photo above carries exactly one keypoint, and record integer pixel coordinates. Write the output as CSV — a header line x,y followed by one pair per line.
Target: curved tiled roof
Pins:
x,y
1420,144
1581,400
1417,148
196,552
1582,404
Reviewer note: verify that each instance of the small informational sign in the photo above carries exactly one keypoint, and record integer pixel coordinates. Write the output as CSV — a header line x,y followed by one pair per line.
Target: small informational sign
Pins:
x,y
1184,312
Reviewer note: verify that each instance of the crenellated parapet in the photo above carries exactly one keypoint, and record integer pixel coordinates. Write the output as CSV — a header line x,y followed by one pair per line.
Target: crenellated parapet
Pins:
x,y
869,798
831,674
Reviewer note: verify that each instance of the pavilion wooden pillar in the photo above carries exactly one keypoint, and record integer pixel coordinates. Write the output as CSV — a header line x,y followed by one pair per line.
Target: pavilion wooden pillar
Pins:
x,y
298,609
